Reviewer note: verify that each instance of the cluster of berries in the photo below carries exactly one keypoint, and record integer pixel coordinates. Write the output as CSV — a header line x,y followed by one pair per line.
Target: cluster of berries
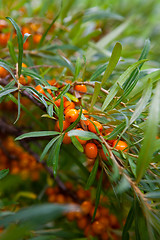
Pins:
x,y
18,161
104,224
71,112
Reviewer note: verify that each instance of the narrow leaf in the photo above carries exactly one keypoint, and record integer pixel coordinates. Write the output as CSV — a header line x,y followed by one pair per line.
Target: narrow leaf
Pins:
x,y
120,81
3,173
20,44
98,194
77,144
147,149
116,53
95,95
92,175
37,134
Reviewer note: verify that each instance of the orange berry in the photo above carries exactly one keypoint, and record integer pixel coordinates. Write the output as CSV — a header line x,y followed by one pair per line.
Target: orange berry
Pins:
x,y
40,90
86,207
25,30
66,124
52,82
26,45
3,72
52,198
71,216
60,198
103,155
81,88
88,231
66,139
4,37
81,141
72,115
84,111
37,38
81,193
92,128
49,191
82,222
97,227
113,221
68,104
104,221
121,145
91,150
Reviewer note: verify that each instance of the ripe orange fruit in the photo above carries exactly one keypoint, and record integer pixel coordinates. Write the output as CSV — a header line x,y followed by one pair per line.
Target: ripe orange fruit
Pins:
x,y
26,45
68,105
121,145
72,115
60,198
86,207
66,124
85,113
66,139
52,82
25,30
49,191
37,38
40,90
91,150
97,227
97,213
4,37
82,222
81,88
3,72
22,79
92,128
81,141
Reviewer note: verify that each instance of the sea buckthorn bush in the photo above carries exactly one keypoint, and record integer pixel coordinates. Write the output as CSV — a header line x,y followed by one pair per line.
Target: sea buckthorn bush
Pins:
x,y
79,120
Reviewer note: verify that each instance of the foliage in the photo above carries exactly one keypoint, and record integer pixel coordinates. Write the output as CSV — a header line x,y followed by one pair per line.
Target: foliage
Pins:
x,y
103,48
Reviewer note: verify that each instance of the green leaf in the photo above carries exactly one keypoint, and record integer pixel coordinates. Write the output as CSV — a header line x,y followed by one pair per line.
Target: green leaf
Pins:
x,y
142,102
19,108
37,214
37,134
147,149
50,110
84,134
116,53
54,155
50,26
120,81
8,68
98,72
141,84
92,175
104,41
77,68
116,131
97,89
77,144
7,91
12,52
65,90
26,35
98,194
61,109
122,186
47,147
128,224
3,173
20,44
153,195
